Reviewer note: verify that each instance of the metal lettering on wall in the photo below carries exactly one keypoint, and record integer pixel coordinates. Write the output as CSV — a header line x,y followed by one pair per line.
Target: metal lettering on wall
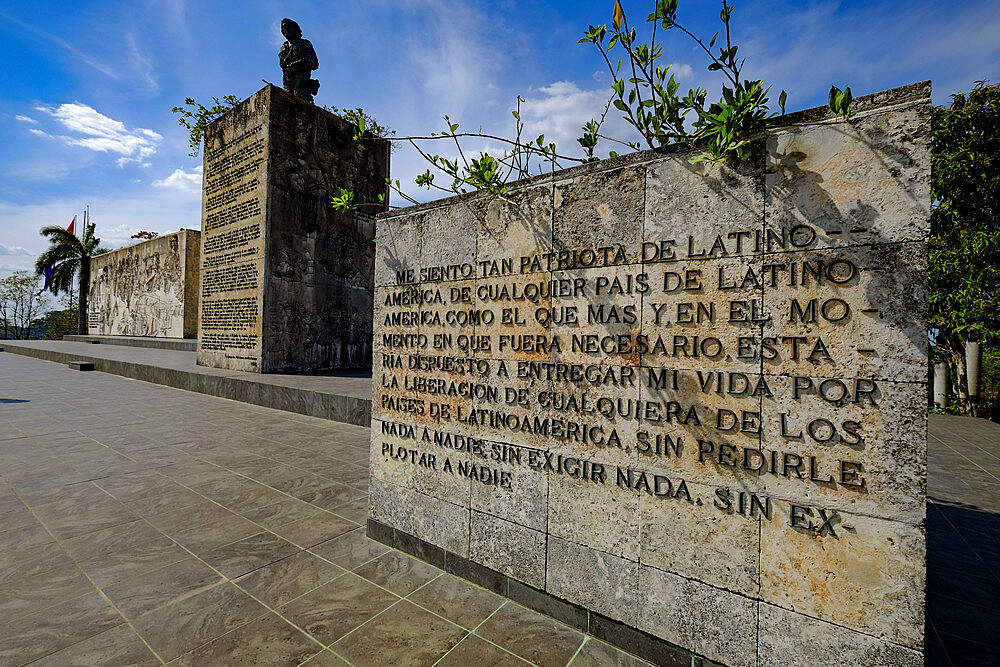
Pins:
x,y
708,390
661,413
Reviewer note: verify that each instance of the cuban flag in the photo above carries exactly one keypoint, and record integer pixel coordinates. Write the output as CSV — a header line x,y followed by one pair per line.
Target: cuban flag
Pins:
x,y
48,270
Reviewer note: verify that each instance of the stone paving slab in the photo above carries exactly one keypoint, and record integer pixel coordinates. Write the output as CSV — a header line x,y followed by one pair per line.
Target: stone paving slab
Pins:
x,y
338,395
144,525
141,524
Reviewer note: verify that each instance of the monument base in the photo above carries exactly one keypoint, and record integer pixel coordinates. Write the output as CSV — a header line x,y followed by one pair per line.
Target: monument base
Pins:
x,y
608,630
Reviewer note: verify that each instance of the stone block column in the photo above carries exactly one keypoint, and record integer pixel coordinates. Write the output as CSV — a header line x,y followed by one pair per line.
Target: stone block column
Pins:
x,y
287,282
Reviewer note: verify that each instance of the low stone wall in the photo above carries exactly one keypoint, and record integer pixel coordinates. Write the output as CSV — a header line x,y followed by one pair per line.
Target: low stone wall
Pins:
x,y
687,403
147,289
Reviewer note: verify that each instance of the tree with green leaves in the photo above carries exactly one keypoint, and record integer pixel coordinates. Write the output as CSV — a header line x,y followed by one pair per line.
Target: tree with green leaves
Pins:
x,y
20,303
69,256
60,323
196,117
964,280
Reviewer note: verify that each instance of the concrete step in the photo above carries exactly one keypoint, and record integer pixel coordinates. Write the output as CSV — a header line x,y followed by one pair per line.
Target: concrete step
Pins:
x,y
338,396
186,344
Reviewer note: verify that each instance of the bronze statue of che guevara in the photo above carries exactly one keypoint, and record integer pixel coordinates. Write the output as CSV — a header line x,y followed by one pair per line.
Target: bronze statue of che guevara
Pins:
x,y
298,59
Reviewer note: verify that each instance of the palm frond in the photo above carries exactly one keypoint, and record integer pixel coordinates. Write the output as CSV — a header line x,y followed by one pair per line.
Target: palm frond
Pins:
x,y
54,255
63,274
57,234
65,254
90,242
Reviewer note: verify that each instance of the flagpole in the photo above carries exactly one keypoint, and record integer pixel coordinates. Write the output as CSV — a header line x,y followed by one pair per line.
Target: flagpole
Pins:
x,y
72,293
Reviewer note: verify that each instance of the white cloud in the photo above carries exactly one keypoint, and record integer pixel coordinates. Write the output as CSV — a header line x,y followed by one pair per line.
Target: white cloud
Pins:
x,y
14,250
40,133
942,40
680,70
143,65
101,133
118,214
182,180
15,258
26,119
561,110
456,69
41,170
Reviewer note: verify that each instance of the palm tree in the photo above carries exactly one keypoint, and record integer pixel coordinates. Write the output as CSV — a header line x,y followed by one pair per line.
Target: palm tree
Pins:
x,y
67,256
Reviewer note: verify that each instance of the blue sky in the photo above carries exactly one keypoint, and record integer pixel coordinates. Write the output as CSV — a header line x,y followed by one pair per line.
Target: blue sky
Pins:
x,y
87,86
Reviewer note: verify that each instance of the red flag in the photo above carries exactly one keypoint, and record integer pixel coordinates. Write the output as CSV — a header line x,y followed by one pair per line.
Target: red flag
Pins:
x,y
72,226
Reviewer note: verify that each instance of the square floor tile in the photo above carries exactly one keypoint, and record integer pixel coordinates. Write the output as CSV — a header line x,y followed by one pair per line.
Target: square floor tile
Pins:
x,y
475,650
534,637
30,637
286,579
350,549
196,620
457,600
282,512
137,595
118,646
334,609
313,530
238,558
398,572
270,640
404,636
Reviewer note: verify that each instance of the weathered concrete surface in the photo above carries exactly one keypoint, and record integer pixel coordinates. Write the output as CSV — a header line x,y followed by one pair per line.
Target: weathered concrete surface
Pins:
x,y
148,289
288,282
705,389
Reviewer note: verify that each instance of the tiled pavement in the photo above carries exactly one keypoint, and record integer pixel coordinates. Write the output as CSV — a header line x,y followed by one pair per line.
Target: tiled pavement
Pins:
x,y
963,542
141,524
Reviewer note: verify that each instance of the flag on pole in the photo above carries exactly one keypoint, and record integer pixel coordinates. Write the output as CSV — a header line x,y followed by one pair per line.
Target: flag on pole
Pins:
x,y
71,228
48,269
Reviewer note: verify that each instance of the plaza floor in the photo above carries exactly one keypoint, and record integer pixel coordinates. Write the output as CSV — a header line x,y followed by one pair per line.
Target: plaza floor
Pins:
x,y
963,541
141,524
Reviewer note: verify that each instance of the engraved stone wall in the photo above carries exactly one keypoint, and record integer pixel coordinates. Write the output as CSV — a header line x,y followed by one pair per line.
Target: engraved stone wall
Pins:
x,y
287,282
233,218
690,401
147,289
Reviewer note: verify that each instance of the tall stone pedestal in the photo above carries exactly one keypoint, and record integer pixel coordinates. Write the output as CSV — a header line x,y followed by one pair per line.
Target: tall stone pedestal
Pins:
x,y
287,282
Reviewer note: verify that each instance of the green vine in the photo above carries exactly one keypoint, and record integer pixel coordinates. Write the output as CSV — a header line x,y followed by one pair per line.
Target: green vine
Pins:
x,y
364,123
648,95
196,117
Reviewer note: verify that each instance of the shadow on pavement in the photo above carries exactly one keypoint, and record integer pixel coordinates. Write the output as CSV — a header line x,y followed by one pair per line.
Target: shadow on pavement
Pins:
x,y
963,585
